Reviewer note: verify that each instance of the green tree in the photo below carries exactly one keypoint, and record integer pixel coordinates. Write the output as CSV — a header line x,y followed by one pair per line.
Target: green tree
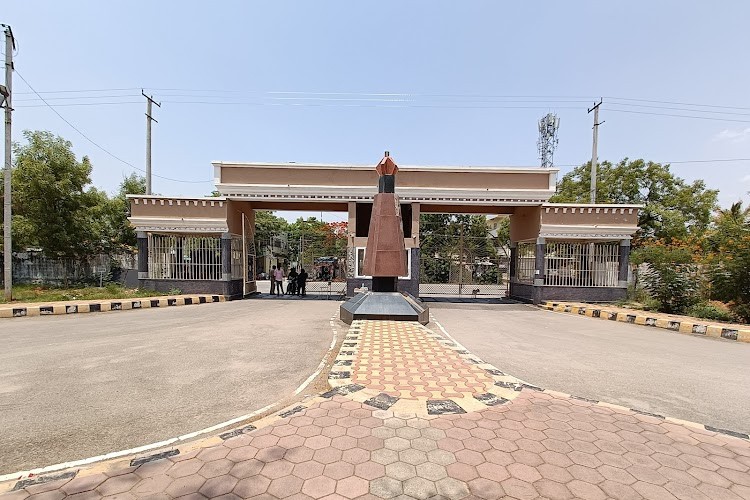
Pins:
x,y
118,234
673,208
729,259
52,207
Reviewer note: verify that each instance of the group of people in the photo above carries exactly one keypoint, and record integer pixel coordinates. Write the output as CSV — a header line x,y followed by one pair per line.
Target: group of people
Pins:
x,y
296,282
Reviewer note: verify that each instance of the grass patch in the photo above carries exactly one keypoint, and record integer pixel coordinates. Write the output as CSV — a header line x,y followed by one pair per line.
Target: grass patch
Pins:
x,y
43,293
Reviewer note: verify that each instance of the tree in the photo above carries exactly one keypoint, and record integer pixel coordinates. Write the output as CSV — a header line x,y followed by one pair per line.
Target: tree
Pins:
x,y
729,259
118,234
52,207
673,209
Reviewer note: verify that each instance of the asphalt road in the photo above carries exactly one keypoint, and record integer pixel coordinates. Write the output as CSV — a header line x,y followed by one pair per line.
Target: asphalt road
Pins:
x,y
72,387
694,378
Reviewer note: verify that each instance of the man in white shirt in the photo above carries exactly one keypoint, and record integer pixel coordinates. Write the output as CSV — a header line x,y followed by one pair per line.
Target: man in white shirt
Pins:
x,y
278,277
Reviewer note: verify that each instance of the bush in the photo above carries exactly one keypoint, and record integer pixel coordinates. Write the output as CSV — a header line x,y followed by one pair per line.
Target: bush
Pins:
x,y
709,311
671,277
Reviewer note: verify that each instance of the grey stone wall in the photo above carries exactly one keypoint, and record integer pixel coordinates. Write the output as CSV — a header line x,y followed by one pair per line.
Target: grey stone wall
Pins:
x,y
537,294
232,289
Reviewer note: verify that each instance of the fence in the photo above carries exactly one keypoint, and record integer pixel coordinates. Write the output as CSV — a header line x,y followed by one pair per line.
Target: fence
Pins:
x,y
581,264
178,257
34,267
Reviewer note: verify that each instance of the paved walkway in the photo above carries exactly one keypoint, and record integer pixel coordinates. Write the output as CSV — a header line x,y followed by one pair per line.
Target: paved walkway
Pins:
x,y
347,443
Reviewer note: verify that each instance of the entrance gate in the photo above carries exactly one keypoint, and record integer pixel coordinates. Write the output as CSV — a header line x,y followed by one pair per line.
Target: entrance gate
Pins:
x,y
461,257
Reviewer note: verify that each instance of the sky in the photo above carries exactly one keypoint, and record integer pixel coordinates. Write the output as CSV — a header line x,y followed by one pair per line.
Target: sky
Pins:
x,y
433,82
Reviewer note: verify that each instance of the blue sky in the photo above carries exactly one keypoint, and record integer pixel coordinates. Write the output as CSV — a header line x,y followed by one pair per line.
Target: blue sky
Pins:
x,y
470,81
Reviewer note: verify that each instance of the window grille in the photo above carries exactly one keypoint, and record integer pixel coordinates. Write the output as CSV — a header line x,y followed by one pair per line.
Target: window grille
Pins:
x,y
581,264
179,257
237,267
525,262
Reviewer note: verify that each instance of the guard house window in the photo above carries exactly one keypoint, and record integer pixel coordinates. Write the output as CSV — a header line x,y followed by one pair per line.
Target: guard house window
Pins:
x,y
525,262
181,257
589,264
360,264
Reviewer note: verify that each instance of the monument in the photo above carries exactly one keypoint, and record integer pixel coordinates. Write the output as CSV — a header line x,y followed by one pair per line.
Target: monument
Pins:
x,y
385,259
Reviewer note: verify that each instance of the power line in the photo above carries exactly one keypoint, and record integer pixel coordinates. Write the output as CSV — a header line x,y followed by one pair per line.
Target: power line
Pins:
x,y
96,144
678,116
717,160
676,102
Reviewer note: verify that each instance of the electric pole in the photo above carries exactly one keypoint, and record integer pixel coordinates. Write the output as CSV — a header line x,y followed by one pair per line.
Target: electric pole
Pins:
x,y
149,119
6,91
594,158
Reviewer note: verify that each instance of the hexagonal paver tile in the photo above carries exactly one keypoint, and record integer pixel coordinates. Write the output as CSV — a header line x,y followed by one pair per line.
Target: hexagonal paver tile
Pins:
x,y
486,489
318,442
285,487
251,486
299,454
355,456
386,487
552,490
397,444
327,455
451,488
248,468
121,484
352,487
400,471
419,488
408,433
384,456
338,470
217,486
277,469
492,471
585,491
344,442
216,468
519,489
412,456
369,470
441,457
319,487
185,485
85,483
308,470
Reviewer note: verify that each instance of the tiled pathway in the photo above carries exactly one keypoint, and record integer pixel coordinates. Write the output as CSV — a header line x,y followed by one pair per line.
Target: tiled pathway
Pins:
x,y
538,445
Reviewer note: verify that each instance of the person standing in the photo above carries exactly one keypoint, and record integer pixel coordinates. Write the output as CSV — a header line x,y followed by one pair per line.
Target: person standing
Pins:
x,y
301,283
278,277
273,279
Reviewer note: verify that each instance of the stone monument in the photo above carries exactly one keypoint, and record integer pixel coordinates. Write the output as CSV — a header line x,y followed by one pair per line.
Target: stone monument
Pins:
x,y
385,259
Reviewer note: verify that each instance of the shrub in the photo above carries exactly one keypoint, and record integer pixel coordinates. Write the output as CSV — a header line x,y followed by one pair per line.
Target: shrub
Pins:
x,y
709,311
671,277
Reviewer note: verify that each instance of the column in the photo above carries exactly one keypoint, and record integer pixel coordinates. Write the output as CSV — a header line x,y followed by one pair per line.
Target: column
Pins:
x,y
622,275
142,243
539,262
226,256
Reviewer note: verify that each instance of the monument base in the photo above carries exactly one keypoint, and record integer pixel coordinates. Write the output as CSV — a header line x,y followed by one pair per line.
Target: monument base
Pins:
x,y
391,306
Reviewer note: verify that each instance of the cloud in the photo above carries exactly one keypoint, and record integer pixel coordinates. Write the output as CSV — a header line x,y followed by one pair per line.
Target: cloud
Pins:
x,y
734,136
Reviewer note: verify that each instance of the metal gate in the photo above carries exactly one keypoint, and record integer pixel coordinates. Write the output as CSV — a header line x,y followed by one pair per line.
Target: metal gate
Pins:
x,y
248,256
452,276
461,257
323,257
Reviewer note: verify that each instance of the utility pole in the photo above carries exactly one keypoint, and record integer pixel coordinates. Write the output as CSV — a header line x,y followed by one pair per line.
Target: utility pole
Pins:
x,y
149,119
6,91
594,158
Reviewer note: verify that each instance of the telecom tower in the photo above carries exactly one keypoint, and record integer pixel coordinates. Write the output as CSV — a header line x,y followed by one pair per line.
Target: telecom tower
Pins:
x,y
547,142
